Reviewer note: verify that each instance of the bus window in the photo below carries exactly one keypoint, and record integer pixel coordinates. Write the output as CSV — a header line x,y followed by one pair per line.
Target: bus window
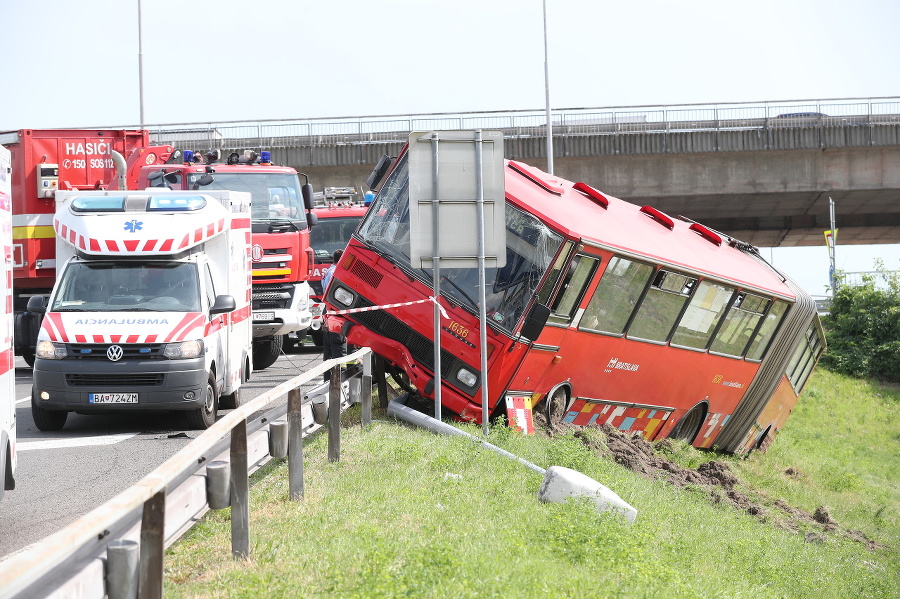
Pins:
x,y
581,271
553,277
616,296
767,330
703,314
804,357
740,324
661,306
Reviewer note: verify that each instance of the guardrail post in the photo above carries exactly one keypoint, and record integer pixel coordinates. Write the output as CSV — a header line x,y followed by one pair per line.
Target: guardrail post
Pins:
x,y
240,492
122,561
218,485
367,390
278,439
334,415
153,523
381,382
295,445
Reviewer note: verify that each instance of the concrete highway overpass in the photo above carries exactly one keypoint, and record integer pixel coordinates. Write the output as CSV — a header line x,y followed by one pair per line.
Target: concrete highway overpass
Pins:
x,y
761,172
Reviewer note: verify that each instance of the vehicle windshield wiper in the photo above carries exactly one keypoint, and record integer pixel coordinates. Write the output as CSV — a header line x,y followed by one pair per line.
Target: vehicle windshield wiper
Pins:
x,y
458,288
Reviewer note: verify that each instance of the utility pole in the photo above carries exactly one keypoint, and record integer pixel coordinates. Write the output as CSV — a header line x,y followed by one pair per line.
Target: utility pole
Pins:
x,y
547,97
140,64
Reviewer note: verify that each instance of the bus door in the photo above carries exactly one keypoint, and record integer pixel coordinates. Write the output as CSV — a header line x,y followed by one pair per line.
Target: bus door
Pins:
x,y
546,367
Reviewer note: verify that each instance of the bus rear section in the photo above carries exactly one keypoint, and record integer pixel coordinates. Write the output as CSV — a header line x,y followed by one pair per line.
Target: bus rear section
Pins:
x,y
8,457
605,313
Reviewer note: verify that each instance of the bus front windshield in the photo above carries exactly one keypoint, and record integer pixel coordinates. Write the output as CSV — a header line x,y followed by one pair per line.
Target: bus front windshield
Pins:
x,y
530,248
103,286
276,197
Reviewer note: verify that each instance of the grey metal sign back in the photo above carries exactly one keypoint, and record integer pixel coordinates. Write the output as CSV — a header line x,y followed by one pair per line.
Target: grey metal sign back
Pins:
x,y
444,175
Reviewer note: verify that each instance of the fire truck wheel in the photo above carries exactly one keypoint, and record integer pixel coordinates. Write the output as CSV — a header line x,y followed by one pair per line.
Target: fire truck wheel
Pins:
x,y
317,337
689,425
556,407
204,417
266,351
47,420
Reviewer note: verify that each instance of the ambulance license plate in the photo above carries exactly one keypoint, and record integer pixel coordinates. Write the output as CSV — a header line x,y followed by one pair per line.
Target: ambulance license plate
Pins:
x,y
112,397
263,316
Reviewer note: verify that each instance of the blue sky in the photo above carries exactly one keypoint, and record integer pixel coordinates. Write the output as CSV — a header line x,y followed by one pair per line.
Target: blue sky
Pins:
x,y
75,64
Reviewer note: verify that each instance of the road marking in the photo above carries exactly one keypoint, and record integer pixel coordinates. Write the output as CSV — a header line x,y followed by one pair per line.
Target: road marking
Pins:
x,y
73,442
23,400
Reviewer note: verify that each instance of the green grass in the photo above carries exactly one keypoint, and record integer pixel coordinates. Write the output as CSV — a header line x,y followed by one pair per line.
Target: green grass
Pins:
x,y
388,521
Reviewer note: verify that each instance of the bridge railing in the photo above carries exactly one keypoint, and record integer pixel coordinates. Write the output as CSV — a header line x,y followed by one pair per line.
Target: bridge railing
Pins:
x,y
386,129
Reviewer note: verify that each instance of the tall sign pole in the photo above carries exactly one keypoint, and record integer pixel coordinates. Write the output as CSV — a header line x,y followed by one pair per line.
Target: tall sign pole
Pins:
x,y
832,239
141,63
547,96
436,271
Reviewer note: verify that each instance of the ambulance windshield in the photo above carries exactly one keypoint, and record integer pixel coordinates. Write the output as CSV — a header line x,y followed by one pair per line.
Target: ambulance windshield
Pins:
x,y
107,286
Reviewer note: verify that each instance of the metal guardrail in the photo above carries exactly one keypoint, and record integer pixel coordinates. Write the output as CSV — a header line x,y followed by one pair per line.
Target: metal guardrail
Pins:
x,y
678,118
97,555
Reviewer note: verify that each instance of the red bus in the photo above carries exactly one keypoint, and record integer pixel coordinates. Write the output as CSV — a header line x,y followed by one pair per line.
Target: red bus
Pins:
x,y
605,313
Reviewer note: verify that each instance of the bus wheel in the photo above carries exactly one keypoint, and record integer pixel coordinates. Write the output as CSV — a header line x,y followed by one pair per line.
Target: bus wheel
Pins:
x,y
689,425
47,420
556,407
205,416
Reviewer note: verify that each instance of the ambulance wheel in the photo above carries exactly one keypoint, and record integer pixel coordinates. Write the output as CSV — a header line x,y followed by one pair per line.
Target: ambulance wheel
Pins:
x,y
266,351
47,420
28,356
556,407
205,416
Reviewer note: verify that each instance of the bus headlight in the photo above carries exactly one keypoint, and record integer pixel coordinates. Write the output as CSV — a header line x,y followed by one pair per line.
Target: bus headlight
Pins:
x,y
184,350
343,296
48,350
466,378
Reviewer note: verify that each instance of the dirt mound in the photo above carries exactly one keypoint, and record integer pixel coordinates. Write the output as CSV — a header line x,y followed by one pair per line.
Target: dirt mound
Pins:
x,y
714,478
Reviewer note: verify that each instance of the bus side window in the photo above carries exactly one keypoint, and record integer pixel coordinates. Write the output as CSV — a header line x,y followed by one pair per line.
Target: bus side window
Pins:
x,y
662,306
547,289
767,331
740,324
616,295
580,273
703,314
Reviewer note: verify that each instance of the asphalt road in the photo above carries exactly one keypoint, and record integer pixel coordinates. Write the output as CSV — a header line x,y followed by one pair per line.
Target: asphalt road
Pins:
x,y
62,476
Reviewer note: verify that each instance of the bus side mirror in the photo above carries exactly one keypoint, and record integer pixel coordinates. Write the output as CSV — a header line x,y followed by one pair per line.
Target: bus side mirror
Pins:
x,y
535,321
312,219
223,303
307,191
36,304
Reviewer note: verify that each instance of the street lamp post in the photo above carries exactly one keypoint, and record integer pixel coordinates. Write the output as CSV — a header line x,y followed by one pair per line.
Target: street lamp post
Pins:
x,y
547,97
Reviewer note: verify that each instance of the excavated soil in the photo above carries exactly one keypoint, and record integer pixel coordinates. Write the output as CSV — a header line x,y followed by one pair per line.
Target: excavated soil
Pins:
x,y
714,479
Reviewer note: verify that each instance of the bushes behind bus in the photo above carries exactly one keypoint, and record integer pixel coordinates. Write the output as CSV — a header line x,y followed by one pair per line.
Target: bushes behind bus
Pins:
x,y
863,328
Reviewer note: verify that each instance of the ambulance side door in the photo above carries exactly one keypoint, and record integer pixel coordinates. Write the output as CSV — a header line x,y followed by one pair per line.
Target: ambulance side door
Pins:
x,y
218,330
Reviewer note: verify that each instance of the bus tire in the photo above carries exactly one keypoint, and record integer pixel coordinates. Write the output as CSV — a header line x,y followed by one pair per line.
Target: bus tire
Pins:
x,y
205,416
266,351
687,428
47,420
556,406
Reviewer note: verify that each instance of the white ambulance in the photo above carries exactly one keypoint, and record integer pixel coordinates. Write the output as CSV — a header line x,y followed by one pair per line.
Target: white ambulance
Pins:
x,y
7,359
151,310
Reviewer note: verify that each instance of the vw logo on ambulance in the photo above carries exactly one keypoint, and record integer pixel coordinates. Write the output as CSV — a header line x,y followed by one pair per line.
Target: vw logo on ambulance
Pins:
x,y
114,353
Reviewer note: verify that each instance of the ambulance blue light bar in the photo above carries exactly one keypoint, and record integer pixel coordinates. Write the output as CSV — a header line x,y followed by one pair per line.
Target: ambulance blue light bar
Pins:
x,y
181,203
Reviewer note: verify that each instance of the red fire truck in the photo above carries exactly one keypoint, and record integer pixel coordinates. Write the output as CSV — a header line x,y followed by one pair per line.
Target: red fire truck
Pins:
x,y
43,162
281,222
338,215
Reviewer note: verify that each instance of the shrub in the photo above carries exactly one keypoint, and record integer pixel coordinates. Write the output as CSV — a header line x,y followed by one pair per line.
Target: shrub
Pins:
x,y
863,328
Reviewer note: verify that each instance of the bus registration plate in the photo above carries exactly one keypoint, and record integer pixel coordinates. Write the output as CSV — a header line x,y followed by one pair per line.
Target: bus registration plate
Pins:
x,y
112,397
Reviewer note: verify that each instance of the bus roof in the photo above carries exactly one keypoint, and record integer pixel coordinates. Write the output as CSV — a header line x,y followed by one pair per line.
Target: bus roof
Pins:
x,y
643,231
